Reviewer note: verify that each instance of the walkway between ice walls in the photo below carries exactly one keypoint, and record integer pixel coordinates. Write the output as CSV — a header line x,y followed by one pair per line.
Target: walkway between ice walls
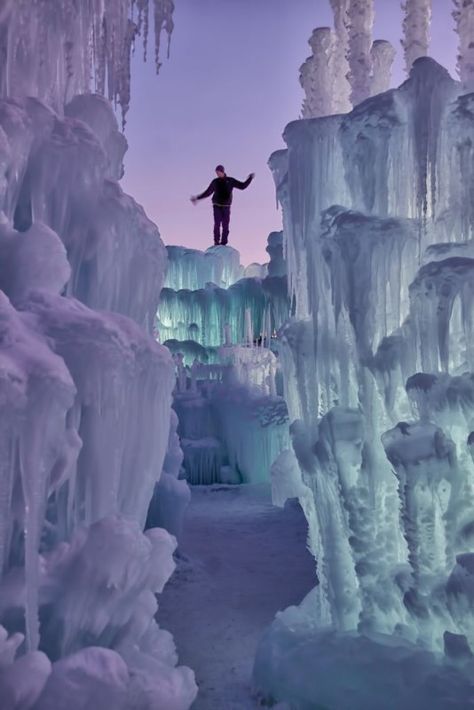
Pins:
x,y
378,371
220,321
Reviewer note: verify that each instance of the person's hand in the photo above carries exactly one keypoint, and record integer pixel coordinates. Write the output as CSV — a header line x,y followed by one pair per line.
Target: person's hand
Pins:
x,y
194,199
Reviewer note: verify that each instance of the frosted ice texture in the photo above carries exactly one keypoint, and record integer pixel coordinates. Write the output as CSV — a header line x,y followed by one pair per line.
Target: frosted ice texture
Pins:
x,y
464,18
192,269
53,50
317,75
377,373
416,30
342,89
360,19
383,56
194,309
85,398
230,432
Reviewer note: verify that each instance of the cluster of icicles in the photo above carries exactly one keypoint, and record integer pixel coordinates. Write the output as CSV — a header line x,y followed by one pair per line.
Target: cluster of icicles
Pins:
x,y
56,50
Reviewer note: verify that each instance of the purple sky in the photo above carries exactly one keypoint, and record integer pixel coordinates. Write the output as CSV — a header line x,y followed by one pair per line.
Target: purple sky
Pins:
x,y
225,95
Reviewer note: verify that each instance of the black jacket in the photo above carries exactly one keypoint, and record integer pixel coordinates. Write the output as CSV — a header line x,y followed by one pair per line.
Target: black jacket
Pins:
x,y
221,190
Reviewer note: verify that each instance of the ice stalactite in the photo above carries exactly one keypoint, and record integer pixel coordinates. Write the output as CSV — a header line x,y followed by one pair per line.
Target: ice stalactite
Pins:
x,y
342,89
53,50
464,18
416,30
317,75
383,55
360,19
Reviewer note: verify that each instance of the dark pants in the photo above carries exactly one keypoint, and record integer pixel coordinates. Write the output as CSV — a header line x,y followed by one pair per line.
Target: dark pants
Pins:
x,y
221,217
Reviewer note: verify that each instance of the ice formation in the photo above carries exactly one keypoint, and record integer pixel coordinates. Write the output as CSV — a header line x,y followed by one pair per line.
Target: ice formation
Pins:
x,y
360,18
86,391
342,89
206,291
464,19
383,55
317,75
377,366
52,50
416,30
232,427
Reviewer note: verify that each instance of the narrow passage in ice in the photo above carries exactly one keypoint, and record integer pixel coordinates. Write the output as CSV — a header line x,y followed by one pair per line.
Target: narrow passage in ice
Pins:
x,y
242,560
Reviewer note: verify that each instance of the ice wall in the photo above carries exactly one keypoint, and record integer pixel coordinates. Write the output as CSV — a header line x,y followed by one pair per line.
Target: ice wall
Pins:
x,y
207,292
377,372
360,19
86,392
192,269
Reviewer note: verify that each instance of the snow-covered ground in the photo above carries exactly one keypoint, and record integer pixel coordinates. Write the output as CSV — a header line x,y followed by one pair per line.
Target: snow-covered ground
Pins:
x,y
242,559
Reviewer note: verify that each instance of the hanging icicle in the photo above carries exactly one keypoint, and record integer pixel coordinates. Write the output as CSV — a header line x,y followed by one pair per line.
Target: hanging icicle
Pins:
x,y
54,49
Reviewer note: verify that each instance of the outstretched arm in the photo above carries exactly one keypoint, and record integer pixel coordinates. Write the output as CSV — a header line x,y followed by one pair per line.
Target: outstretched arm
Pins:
x,y
242,185
207,193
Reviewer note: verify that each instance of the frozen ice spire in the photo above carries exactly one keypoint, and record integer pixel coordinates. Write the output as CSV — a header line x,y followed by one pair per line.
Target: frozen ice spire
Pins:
x,y
360,19
464,17
383,55
54,49
316,75
416,30
342,89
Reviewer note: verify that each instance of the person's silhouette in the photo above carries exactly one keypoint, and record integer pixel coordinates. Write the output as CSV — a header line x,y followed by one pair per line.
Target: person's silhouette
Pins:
x,y
221,190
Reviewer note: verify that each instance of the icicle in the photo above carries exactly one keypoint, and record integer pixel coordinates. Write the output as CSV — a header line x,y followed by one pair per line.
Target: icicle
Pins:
x,y
464,17
416,30
248,327
383,55
163,21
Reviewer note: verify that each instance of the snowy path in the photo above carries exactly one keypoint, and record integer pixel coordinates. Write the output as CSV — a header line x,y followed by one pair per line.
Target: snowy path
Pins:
x,y
245,560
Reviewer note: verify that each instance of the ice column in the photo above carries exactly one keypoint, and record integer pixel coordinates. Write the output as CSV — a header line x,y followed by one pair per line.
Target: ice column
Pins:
x,y
316,75
464,17
342,89
383,55
416,30
360,24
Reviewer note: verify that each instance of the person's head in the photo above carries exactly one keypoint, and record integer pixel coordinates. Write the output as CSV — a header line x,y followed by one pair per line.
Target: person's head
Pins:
x,y
220,171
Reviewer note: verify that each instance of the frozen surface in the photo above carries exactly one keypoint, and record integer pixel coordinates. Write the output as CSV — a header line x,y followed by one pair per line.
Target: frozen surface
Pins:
x,y
242,561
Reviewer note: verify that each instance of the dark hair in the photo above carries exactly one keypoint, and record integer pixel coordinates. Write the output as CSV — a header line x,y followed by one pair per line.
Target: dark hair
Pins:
x,y
220,169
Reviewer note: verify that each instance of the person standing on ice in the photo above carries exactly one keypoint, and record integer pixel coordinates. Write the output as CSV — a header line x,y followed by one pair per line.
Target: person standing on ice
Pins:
x,y
221,190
